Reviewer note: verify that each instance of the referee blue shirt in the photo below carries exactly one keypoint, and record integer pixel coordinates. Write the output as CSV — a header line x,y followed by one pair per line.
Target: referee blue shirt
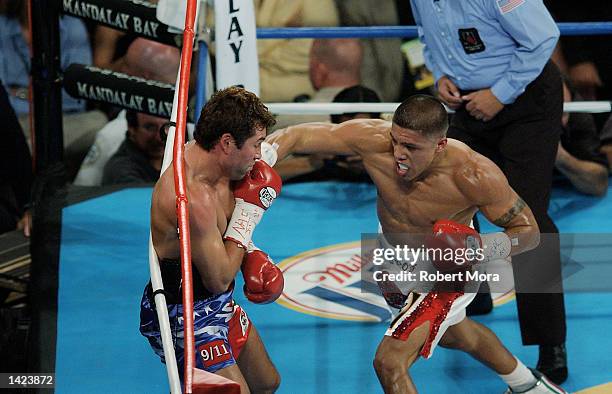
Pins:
x,y
478,44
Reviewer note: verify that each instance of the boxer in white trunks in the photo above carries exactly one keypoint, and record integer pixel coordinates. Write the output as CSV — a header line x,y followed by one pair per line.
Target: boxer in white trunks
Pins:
x,y
430,184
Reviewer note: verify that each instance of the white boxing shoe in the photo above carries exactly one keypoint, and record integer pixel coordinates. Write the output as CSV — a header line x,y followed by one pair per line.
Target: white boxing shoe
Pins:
x,y
543,385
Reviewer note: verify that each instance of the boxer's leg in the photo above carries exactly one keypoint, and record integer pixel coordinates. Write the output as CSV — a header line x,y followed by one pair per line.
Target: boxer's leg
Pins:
x,y
481,343
256,366
395,356
233,373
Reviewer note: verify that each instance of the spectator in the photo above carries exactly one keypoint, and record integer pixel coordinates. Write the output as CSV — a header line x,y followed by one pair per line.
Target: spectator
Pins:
x,y
110,46
579,156
334,65
145,59
139,158
15,171
606,141
79,126
586,59
15,42
382,67
491,64
283,64
356,94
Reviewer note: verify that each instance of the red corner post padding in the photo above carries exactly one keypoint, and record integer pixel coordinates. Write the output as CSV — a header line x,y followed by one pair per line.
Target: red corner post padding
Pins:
x,y
209,383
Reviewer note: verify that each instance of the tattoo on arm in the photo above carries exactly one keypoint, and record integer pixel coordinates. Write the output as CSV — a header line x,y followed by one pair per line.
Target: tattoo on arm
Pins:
x,y
506,218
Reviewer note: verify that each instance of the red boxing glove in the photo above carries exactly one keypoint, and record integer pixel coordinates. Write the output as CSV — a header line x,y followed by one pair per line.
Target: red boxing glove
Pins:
x,y
263,280
455,246
260,186
253,194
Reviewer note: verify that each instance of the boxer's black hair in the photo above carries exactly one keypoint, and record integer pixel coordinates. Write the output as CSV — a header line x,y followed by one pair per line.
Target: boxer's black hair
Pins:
x,y
424,114
233,110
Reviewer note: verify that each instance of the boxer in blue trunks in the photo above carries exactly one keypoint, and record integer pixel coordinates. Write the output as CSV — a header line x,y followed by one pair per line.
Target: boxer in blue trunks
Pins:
x,y
228,189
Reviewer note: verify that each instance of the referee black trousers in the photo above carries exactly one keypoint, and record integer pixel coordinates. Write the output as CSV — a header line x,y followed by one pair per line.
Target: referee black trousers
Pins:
x,y
522,140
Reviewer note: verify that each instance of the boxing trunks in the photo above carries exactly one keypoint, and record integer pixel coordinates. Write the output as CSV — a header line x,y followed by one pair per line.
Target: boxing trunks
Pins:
x,y
410,309
221,326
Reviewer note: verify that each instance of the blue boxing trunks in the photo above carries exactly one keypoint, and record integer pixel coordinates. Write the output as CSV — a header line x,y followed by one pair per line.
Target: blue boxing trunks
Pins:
x,y
221,328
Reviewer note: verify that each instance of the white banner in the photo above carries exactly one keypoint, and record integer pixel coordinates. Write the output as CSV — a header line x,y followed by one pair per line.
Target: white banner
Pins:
x,y
236,45
172,13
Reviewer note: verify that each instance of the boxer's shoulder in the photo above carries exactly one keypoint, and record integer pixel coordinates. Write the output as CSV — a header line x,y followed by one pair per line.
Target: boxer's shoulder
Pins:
x,y
475,175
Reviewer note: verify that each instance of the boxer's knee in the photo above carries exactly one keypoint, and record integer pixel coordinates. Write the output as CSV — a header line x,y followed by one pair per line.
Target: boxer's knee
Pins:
x,y
393,357
388,366
268,383
462,337
273,382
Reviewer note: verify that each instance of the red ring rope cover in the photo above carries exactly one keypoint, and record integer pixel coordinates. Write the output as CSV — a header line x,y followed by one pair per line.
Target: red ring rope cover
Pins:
x,y
182,210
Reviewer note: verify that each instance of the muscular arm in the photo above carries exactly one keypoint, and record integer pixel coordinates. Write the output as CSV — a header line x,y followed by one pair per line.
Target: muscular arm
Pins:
x,y
486,185
355,137
217,261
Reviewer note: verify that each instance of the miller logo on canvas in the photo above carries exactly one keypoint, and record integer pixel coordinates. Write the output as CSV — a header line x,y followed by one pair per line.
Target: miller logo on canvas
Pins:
x,y
327,282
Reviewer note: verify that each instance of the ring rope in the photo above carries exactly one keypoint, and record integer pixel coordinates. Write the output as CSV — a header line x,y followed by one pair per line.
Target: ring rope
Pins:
x,y
182,210
566,28
341,108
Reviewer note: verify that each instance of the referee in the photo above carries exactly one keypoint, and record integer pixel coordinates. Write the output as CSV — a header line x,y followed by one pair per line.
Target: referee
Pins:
x,y
490,60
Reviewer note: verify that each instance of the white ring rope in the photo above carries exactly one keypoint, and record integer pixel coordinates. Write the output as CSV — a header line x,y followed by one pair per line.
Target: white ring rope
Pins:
x,y
340,108
157,284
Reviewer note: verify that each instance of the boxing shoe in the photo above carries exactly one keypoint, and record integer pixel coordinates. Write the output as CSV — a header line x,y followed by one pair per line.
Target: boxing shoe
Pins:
x,y
552,362
543,385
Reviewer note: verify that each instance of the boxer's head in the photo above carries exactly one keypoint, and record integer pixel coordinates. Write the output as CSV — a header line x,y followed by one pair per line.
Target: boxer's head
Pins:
x,y
234,122
418,134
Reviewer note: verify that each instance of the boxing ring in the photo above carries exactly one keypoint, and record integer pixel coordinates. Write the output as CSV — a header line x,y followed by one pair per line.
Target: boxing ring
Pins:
x,y
323,332
102,273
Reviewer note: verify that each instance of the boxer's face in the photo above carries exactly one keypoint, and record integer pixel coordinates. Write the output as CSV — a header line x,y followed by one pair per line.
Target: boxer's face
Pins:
x,y
244,158
413,152
146,135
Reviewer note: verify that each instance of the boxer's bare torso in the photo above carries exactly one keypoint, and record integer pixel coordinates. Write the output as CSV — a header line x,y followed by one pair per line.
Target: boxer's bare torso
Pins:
x,y
414,207
453,183
206,192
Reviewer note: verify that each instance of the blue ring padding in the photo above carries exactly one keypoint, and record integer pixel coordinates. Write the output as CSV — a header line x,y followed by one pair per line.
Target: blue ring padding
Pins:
x,y
338,32
567,28
585,28
201,78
